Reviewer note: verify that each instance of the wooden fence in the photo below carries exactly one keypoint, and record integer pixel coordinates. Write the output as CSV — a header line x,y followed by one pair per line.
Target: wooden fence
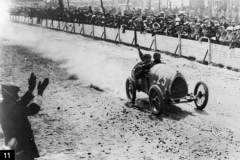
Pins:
x,y
201,51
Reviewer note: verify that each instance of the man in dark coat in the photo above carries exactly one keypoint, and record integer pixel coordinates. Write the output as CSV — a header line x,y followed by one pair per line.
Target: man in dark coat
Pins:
x,y
13,117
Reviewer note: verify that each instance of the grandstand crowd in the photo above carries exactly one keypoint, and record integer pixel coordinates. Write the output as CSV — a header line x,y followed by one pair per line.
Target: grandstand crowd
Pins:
x,y
220,30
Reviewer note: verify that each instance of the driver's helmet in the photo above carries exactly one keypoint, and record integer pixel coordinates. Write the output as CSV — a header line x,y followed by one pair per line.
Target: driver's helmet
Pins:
x,y
146,58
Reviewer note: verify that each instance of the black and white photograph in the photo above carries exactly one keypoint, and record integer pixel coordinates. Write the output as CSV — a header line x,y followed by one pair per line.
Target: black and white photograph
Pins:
x,y
120,79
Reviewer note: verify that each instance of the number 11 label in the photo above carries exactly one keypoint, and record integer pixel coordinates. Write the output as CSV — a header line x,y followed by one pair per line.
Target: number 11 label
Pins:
x,y
7,155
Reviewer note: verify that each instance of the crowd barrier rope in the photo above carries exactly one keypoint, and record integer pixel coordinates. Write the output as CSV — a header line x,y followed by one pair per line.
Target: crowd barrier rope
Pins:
x,y
201,51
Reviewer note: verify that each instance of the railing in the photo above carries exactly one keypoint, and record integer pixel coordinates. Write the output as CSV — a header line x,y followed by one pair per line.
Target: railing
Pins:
x,y
201,51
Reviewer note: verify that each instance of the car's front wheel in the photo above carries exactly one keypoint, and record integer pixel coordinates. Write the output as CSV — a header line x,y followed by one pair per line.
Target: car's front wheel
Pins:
x,y
156,100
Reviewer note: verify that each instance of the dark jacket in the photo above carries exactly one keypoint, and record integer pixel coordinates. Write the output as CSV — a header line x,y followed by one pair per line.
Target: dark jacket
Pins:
x,y
14,123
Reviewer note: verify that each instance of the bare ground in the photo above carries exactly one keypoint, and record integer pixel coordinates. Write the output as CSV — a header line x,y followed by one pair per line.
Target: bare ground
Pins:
x,y
79,122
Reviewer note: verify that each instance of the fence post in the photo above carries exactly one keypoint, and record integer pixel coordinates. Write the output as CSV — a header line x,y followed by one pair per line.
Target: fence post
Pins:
x,y
119,38
83,28
155,43
104,31
74,27
92,30
209,51
135,35
180,45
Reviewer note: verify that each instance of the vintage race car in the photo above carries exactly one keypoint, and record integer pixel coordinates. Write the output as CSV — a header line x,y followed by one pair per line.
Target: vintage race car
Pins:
x,y
163,84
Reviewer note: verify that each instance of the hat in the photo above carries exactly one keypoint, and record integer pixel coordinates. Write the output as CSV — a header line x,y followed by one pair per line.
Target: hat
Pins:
x,y
229,28
181,13
237,27
216,23
222,17
9,89
177,19
198,24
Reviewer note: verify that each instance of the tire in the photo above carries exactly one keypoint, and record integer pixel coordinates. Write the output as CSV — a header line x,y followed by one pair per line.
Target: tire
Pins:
x,y
131,90
201,98
156,100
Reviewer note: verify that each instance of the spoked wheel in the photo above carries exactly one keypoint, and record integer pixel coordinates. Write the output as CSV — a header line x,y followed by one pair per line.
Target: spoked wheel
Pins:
x,y
201,94
130,90
156,100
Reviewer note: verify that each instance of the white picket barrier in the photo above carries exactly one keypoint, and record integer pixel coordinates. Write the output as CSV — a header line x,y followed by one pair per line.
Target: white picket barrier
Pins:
x,y
30,21
55,24
43,23
13,18
145,40
191,48
127,37
49,23
219,54
62,25
235,58
111,34
78,28
87,29
224,55
167,44
98,31
26,19
22,19
35,20
68,27
19,18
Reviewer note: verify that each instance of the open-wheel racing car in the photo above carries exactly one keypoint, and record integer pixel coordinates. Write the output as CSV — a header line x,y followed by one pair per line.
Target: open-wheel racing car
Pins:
x,y
163,84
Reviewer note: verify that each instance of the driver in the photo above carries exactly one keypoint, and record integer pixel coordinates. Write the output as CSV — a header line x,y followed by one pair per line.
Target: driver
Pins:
x,y
144,66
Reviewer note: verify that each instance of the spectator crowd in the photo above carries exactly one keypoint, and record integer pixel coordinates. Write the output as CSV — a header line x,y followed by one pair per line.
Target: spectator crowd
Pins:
x,y
220,30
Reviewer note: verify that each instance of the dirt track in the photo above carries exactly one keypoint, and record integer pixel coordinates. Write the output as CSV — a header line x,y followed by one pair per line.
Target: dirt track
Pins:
x,y
79,122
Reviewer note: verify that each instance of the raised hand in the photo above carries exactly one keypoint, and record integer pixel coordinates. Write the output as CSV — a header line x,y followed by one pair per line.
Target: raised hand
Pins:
x,y
32,82
42,86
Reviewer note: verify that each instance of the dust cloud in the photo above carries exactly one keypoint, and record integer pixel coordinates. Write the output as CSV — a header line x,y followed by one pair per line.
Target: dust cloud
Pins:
x,y
93,62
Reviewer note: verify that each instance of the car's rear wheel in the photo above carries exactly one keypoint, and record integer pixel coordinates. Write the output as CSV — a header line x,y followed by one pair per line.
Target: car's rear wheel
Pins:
x,y
201,94
130,90
156,100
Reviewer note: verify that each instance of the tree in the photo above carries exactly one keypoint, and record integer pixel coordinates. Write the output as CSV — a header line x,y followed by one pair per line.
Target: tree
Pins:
x,y
149,5
103,8
60,2
159,5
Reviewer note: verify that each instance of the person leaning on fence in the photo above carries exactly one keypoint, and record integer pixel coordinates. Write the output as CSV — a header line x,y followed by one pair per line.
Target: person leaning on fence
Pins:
x,y
223,35
230,36
13,117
